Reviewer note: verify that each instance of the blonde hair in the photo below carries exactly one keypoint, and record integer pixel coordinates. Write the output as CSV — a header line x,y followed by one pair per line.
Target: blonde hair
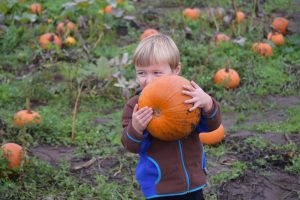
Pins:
x,y
155,49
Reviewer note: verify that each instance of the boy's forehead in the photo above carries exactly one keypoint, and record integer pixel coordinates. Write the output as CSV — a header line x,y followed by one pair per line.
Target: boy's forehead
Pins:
x,y
153,66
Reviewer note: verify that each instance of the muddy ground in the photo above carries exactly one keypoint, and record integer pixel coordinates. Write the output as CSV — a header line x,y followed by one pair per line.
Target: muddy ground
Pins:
x,y
269,182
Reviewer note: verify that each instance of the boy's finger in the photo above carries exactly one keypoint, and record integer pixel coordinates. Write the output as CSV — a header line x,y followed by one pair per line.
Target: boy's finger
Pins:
x,y
187,92
195,85
136,107
190,100
143,110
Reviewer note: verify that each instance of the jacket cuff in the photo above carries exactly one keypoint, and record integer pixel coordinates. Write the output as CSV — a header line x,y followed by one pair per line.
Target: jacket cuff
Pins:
x,y
133,135
212,112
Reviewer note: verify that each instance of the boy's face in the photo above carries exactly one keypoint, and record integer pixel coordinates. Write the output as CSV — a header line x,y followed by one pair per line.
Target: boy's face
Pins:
x,y
146,74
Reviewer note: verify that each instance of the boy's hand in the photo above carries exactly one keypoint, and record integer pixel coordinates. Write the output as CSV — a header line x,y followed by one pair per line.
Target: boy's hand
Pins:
x,y
141,118
199,98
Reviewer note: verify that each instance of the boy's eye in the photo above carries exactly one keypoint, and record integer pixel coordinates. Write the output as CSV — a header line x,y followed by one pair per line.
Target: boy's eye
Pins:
x,y
157,73
141,73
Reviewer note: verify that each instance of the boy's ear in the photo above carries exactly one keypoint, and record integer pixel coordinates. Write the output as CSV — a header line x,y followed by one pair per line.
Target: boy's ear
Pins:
x,y
178,69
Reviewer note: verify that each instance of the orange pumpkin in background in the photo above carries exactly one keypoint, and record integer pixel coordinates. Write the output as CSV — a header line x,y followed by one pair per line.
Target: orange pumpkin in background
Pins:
x,y
280,24
262,49
172,119
239,17
26,117
14,154
49,39
148,32
276,38
220,37
213,137
36,8
227,77
191,13
108,9
62,27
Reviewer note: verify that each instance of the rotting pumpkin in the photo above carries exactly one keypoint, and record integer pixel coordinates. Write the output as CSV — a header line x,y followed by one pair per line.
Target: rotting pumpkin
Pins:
x,y
172,119
213,137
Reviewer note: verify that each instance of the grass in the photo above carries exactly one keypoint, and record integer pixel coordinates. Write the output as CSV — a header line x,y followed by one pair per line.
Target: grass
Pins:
x,y
52,79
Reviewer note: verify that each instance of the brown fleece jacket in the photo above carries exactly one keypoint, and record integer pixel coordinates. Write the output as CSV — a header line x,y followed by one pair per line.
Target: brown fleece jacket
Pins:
x,y
180,162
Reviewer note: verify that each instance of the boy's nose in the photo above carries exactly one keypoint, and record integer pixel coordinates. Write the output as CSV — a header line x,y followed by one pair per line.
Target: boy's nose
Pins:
x,y
149,79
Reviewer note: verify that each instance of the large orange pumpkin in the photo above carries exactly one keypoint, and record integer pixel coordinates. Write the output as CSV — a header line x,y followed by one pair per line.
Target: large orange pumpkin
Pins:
x,y
49,39
191,13
213,137
227,77
14,154
172,119
148,32
276,38
26,117
280,24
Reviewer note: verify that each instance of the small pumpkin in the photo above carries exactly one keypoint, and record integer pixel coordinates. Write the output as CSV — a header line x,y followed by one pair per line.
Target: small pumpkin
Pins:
x,y
280,24
227,77
191,13
49,39
65,26
36,8
26,117
262,49
70,41
239,17
213,137
172,119
276,38
108,9
14,154
220,37
148,32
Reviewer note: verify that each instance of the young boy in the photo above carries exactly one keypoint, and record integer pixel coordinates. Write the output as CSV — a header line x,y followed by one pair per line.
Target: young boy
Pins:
x,y
167,169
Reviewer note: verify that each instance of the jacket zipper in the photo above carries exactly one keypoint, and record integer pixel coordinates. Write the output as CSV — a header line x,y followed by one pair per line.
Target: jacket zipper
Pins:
x,y
184,167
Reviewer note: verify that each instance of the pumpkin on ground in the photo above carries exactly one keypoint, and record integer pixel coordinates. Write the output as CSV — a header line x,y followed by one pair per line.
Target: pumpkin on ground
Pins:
x,y
280,24
14,154
239,17
108,9
262,49
148,32
213,137
36,8
48,39
70,41
172,119
276,38
220,37
65,26
191,13
26,117
227,77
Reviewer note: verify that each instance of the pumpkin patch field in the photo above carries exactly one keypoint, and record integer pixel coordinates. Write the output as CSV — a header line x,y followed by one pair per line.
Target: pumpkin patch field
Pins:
x,y
66,72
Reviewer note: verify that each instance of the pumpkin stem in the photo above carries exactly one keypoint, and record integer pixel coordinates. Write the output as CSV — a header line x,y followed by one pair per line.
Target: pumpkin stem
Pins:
x,y
28,105
156,112
226,69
